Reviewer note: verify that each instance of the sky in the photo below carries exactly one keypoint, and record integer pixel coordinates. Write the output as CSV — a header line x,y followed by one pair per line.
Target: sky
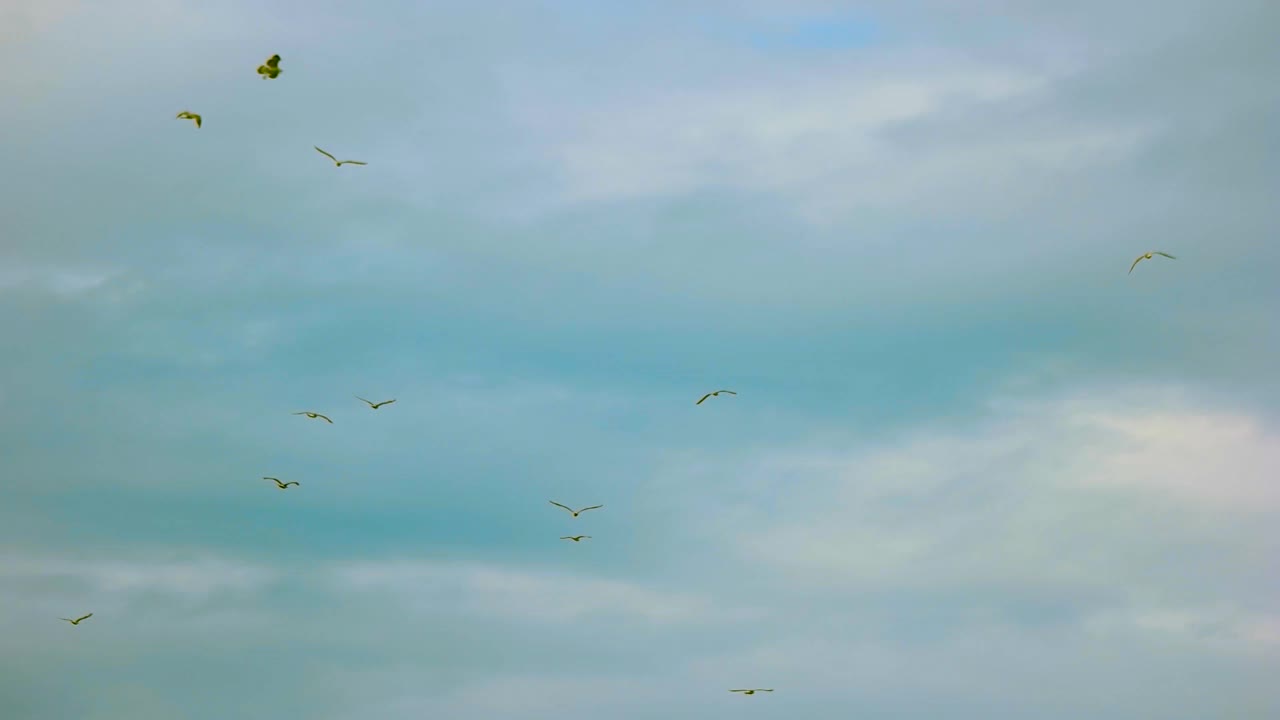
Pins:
x,y
974,468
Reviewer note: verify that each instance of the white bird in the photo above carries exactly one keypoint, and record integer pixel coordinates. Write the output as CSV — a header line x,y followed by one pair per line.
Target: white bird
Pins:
x,y
336,161
1147,256
575,512
714,394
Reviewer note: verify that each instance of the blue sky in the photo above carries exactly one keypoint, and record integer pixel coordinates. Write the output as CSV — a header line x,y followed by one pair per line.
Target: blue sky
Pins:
x,y
974,469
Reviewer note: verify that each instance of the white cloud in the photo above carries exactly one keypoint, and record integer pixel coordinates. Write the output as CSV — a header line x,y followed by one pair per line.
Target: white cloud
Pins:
x,y
196,577
546,596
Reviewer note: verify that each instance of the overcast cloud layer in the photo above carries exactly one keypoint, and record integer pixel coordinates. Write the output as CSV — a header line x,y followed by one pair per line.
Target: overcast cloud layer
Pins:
x,y
974,470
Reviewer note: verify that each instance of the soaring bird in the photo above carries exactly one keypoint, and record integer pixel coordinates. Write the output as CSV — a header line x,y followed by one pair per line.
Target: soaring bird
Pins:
x,y
77,620
374,405
753,691
270,68
714,394
188,115
313,416
1147,256
575,512
336,161
283,485
575,538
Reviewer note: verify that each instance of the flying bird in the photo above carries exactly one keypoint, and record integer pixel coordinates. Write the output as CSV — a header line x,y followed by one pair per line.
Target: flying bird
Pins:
x,y
753,691
188,115
270,68
336,161
283,485
374,405
313,416
575,512
575,538
714,394
77,620
1147,256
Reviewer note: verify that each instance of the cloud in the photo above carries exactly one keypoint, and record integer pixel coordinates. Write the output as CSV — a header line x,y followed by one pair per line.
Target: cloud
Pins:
x,y
547,596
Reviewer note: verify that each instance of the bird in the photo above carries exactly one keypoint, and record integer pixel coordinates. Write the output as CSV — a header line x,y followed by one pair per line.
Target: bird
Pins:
x,y
575,512
753,691
373,405
283,485
575,538
188,115
336,161
714,394
270,68
1147,256
77,620
313,416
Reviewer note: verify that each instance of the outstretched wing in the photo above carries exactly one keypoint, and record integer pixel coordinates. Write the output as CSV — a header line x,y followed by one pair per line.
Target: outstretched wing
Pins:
x,y
1166,255
742,690
1135,262
326,419
335,160
553,502
704,397
292,482
355,396
384,402
353,162
197,119
86,617
593,507
764,689
271,479
729,391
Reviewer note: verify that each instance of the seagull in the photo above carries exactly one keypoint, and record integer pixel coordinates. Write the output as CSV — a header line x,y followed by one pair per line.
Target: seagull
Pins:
x,y
77,620
313,416
714,394
270,68
753,691
575,512
188,115
575,538
283,485
336,161
1147,256
373,405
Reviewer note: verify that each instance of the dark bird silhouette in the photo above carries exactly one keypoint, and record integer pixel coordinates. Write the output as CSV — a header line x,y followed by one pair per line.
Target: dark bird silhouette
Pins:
x,y
336,161
313,416
270,68
576,538
187,115
1147,256
714,394
77,620
753,691
283,485
571,510
374,405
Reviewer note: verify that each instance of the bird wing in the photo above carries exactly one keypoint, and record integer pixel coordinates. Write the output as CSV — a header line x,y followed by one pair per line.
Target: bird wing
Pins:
x,y
197,119
566,507
352,162
86,617
384,402
273,61
304,412
335,160
729,391
182,115
704,397
270,478
1135,262
357,396
326,419
293,482
764,689
742,690
566,537
1166,255
593,507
